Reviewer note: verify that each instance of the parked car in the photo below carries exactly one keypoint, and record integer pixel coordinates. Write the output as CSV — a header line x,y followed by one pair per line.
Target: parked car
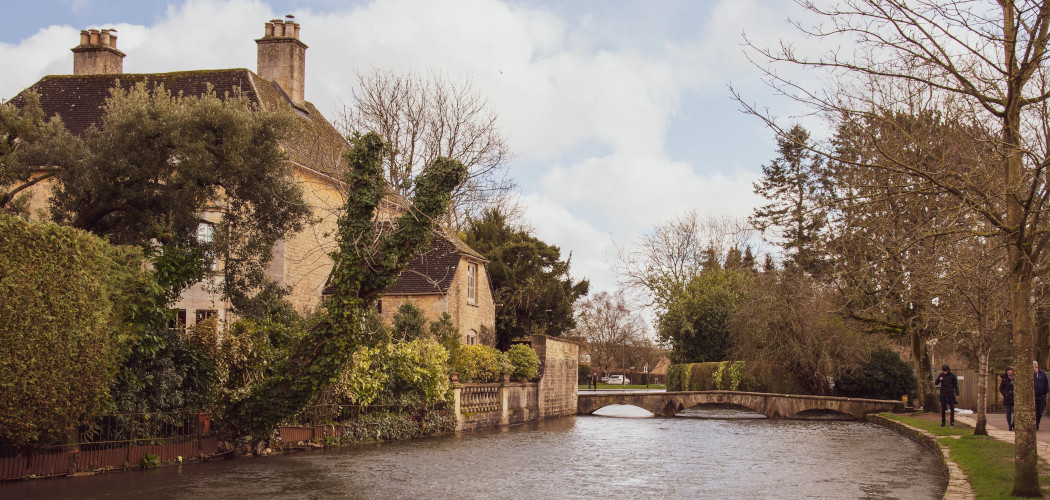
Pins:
x,y
618,380
605,379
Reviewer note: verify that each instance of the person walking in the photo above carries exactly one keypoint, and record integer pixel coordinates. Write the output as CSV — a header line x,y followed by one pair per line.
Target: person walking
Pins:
x,y
1042,386
1006,388
949,385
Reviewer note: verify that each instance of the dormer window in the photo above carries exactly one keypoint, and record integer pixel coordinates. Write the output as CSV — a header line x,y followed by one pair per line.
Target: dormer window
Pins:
x,y
472,283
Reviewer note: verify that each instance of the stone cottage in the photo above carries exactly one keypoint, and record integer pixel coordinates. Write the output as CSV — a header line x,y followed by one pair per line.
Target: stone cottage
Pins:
x,y
449,277
315,153
301,261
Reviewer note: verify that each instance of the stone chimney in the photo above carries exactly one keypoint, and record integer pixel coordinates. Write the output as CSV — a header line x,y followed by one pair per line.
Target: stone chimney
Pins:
x,y
97,54
282,57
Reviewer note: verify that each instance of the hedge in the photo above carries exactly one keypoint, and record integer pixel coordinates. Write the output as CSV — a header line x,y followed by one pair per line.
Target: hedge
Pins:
x,y
730,376
61,341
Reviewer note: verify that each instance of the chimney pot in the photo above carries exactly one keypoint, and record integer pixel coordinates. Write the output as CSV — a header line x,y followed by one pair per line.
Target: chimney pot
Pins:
x,y
97,54
282,58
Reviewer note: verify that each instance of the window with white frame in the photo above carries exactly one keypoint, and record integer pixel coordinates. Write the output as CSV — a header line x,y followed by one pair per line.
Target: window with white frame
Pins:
x,y
472,337
206,236
472,283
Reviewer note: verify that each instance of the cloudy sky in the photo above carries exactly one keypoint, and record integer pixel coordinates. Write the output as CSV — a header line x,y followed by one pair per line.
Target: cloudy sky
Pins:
x,y
618,112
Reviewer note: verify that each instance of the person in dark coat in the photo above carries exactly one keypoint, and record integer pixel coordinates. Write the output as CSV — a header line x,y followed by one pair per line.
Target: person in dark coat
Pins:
x,y
1006,388
949,385
1042,386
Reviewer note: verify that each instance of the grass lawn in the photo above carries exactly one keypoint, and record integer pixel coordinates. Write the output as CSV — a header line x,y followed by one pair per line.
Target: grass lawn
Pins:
x,y
988,463
607,386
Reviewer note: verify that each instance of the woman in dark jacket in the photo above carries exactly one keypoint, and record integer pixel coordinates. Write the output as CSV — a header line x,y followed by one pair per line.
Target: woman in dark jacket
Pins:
x,y
1006,388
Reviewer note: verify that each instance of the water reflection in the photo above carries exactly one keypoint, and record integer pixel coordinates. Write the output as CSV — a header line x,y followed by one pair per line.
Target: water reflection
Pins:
x,y
695,455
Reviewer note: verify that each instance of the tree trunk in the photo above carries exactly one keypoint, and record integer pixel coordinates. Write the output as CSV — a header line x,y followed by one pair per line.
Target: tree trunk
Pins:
x,y
920,357
981,429
1019,281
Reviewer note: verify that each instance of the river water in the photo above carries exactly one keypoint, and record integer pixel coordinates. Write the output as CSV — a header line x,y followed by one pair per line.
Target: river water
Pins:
x,y
711,453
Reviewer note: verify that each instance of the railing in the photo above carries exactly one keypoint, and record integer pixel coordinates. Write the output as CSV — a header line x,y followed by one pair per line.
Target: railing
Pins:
x,y
480,398
115,441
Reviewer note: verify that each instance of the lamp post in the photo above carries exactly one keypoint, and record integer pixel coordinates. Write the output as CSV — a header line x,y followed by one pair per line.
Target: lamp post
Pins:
x,y
646,369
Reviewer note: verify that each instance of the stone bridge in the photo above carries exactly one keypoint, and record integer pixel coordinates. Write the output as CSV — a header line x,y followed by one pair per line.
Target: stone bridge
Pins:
x,y
667,404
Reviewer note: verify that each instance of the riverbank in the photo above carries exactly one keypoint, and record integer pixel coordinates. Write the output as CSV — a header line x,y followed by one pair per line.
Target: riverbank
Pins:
x,y
985,463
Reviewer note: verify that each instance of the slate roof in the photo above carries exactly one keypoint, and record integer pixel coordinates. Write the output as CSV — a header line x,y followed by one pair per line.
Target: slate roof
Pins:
x,y
432,271
78,99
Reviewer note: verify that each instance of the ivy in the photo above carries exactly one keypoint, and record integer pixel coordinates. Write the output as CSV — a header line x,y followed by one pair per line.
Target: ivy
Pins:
x,y
369,258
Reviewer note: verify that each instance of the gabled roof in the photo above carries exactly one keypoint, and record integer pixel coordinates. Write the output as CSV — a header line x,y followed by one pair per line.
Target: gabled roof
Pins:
x,y
432,271
78,99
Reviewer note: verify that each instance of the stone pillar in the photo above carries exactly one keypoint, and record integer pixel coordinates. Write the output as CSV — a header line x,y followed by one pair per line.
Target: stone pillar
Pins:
x,y
559,369
97,54
504,397
282,58
457,394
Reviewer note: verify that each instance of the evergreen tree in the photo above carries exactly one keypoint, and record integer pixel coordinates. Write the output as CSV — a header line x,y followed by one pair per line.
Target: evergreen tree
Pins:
x,y
534,292
794,183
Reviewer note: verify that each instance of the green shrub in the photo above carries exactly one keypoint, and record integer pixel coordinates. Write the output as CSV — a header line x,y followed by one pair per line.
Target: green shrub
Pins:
x,y
883,376
417,372
408,322
481,363
62,337
525,361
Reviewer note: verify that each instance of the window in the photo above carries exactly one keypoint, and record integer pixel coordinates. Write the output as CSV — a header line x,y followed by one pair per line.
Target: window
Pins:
x,y
472,283
206,236
472,337
203,314
205,232
178,321
379,306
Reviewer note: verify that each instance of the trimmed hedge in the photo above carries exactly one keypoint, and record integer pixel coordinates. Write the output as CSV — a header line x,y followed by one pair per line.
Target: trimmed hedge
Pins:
x,y
729,376
61,338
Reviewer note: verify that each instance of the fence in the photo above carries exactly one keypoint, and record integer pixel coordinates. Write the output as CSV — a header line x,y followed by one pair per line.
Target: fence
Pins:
x,y
113,442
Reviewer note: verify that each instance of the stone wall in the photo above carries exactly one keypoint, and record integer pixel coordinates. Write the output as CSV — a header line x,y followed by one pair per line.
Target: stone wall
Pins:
x,y
559,367
482,406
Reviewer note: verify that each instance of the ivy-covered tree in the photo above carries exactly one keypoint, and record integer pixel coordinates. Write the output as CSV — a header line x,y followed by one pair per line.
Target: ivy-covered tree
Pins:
x,y
158,162
794,183
368,260
534,292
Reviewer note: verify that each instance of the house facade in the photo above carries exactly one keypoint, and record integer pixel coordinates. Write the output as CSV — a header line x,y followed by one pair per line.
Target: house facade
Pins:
x,y
315,152
450,277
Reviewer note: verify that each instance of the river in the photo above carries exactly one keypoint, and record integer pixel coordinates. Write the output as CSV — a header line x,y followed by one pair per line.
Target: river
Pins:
x,y
712,453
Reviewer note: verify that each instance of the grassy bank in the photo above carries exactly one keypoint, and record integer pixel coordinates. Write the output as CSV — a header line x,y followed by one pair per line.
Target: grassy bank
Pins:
x,y
987,462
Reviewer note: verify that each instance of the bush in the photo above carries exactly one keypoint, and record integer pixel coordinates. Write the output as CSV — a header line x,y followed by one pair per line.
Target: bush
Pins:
x,y
417,372
62,337
525,362
883,376
481,363
408,322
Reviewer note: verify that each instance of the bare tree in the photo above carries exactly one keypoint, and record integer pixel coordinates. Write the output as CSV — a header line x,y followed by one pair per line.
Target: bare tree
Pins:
x,y
426,117
989,62
665,259
976,306
610,328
